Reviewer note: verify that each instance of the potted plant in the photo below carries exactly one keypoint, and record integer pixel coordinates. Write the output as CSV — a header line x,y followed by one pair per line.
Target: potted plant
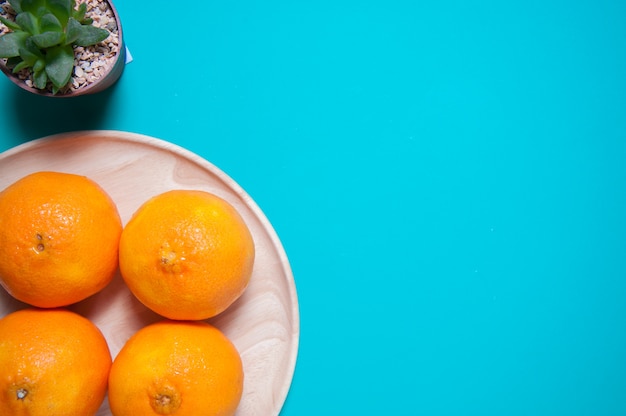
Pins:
x,y
58,48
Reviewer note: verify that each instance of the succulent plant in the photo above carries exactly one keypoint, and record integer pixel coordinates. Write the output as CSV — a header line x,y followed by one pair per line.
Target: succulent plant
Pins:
x,y
43,36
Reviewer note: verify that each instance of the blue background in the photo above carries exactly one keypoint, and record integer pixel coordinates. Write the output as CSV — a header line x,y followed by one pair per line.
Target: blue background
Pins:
x,y
448,179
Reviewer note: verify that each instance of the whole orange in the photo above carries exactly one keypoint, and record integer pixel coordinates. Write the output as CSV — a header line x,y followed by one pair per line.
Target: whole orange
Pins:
x,y
176,368
186,254
53,362
59,238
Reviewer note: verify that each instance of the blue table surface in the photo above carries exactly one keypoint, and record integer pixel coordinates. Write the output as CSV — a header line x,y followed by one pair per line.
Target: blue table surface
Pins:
x,y
447,178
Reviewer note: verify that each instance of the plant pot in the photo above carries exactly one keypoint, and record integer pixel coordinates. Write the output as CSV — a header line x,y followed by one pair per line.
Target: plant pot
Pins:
x,y
107,77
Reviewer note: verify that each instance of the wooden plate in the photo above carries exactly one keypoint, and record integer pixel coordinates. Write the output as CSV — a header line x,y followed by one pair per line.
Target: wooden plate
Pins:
x,y
263,324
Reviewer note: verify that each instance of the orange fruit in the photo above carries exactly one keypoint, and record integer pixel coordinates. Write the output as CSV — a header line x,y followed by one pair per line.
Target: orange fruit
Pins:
x,y
53,362
59,237
186,254
176,368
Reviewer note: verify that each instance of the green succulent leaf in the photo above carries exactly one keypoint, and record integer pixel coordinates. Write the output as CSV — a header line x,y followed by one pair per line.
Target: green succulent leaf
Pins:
x,y
48,39
22,65
62,9
28,22
31,47
50,23
84,35
40,65
10,24
30,56
11,43
40,79
79,14
33,6
59,65
73,31
16,5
